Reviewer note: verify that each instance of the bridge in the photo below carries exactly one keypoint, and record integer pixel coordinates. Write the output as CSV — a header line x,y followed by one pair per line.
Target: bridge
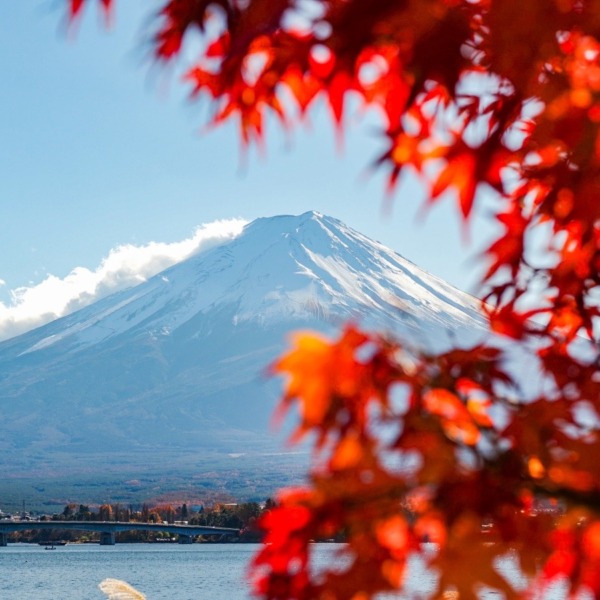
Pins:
x,y
107,529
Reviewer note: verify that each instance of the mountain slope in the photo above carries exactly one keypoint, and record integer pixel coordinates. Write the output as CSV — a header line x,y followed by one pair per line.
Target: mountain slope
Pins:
x,y
174,366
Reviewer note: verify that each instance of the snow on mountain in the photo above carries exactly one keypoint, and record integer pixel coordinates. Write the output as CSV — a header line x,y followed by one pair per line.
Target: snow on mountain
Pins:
x,y
175,366
298,268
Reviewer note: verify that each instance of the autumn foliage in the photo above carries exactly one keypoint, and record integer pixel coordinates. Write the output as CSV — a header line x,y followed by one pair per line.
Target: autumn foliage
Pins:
x,y
496,97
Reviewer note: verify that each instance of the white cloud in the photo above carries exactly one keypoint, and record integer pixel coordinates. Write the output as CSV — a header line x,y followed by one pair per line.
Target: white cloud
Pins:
x,y
125,266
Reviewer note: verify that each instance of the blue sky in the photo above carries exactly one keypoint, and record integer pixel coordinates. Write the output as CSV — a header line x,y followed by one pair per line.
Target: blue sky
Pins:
x,y
100,150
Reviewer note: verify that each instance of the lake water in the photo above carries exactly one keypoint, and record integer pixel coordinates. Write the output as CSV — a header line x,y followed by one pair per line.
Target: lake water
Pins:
x,y
161,571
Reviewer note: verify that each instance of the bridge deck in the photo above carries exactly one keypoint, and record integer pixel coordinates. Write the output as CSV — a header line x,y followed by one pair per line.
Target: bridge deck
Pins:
x,y
112,527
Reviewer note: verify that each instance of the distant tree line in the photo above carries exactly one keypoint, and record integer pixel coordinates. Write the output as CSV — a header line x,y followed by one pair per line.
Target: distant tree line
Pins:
x,y
242,516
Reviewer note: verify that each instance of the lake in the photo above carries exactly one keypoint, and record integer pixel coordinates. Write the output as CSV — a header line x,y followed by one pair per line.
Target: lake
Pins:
x,y
161,571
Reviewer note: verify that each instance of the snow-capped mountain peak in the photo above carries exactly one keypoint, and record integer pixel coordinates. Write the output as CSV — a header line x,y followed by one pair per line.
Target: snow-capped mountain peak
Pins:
x,y
281,268
173,367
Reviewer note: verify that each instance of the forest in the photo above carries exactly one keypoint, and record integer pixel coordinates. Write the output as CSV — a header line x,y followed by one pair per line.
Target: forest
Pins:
x,y
243,516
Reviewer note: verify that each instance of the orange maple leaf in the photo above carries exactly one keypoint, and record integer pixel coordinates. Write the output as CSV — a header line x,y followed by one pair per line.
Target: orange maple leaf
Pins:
x,y
459,173
321,374
455,418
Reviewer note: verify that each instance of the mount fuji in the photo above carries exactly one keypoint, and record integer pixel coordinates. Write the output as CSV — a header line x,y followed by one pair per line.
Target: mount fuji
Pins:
x,y
169,375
